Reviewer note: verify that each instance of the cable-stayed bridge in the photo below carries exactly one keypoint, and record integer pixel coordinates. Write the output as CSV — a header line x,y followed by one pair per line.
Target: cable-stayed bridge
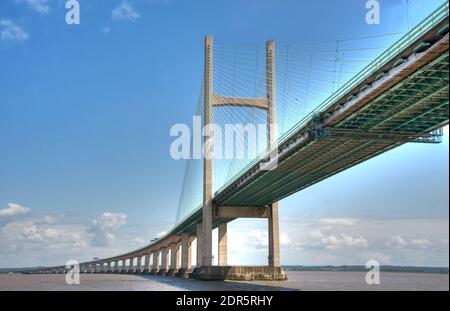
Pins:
x,y
372,98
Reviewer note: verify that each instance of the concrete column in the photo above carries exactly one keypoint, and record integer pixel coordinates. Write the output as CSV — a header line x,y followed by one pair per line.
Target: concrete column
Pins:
x,y
155,261
139,264
164,260
123,265
274,237
109,267
131,265
186,251
147,263
207,165
174,252
222,247
199,244
274,232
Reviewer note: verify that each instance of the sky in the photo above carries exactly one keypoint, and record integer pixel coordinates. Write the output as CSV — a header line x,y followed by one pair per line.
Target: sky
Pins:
x,y
85,117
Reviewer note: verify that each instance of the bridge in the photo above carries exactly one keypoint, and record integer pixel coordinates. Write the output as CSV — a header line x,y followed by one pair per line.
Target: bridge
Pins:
x,y
400,97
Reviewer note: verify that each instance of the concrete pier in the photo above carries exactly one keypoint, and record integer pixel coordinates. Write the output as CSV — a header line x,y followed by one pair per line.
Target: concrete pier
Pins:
x,y
240,273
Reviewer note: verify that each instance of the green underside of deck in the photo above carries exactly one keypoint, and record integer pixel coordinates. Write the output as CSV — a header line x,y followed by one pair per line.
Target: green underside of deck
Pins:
x,y
418,104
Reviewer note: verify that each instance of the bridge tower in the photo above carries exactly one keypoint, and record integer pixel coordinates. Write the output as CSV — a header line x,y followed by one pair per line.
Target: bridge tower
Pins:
x,y
228,213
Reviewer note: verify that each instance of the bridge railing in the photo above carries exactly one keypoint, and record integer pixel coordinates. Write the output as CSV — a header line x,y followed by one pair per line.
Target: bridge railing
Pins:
x,y
418,31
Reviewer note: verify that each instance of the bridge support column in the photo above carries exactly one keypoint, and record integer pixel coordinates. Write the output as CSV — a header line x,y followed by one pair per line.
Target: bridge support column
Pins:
x,y
155,267
174,259
147,263
274,237
139,264
207,164
131,265
186,253
222,247
164,261
199,244
122,270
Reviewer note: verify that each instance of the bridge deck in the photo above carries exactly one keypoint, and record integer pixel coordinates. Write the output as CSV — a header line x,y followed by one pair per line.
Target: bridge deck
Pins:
x,y
415,104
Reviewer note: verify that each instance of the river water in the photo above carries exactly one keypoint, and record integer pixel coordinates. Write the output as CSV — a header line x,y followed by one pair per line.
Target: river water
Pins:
x,y
298,280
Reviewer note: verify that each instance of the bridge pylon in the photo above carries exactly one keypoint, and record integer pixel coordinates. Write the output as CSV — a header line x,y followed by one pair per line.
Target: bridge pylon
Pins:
x,y
210,213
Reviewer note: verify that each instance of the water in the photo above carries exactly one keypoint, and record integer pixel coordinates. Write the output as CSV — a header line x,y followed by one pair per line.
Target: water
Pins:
x,y
298,280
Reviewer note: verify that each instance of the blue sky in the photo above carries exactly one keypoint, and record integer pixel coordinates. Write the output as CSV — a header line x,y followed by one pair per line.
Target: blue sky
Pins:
x,y
85,115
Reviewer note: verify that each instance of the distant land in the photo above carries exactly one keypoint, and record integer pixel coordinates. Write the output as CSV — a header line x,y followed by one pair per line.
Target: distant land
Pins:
x,y
383,268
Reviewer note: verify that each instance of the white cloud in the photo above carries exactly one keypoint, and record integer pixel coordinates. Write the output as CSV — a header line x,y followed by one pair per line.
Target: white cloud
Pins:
x,y
337,221
125,12
9,31
422,243
284,239
343,241
31,233
49,219
105,30
13,209
40,6
105,227
310,240
32,240
396,241
139,241
52,233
